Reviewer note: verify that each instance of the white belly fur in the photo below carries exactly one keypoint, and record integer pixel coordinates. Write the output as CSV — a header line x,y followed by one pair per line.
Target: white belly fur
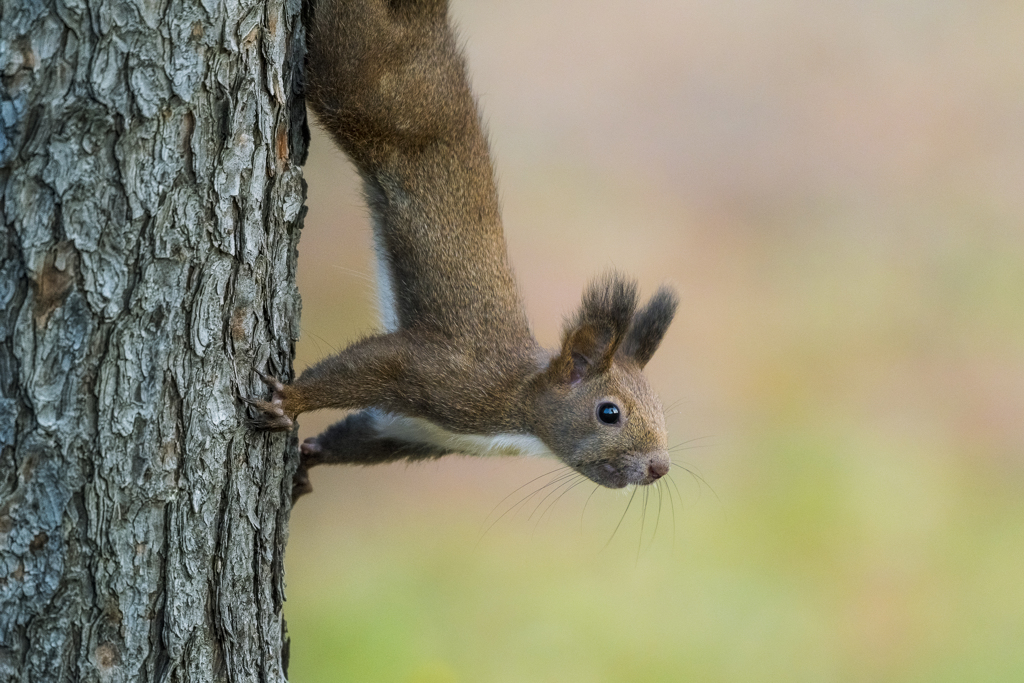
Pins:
x,y
385,287
418,430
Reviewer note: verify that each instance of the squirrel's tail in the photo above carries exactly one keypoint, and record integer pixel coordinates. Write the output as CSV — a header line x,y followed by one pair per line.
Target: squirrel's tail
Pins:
x,y
386,76
387,79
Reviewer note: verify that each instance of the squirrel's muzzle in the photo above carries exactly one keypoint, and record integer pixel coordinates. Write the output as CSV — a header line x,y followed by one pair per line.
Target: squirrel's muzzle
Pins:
x,y
629,469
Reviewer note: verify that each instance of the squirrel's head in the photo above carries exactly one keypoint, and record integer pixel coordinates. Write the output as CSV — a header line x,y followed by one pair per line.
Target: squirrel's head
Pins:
x,y
596,410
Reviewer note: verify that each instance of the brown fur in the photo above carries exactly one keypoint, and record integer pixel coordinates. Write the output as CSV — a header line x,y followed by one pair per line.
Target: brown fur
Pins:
x,y
388,81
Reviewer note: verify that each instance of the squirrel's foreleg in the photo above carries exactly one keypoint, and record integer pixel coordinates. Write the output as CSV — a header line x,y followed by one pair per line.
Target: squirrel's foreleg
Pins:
x,y
373,371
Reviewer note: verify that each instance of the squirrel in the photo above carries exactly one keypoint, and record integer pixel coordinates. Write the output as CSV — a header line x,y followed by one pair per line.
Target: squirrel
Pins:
x,y
457,369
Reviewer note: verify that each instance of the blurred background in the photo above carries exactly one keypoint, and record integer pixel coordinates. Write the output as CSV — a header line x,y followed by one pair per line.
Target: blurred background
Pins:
x,y
837,191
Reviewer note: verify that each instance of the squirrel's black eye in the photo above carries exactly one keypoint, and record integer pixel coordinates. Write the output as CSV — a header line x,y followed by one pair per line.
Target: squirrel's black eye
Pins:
x,y
608,413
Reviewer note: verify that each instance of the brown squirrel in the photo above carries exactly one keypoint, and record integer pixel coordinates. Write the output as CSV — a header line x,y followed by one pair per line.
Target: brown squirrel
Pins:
x,y
458,369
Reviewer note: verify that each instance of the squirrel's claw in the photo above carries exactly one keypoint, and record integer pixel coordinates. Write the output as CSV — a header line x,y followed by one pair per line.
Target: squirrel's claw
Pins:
x,y
273,383
271,415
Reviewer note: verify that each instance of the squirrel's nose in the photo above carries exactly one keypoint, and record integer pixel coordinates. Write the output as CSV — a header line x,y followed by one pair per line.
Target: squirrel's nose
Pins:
x,y
657,469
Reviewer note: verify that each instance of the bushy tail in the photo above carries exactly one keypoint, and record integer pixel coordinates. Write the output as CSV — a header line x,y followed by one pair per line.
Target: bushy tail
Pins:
x,y
386,76
387,79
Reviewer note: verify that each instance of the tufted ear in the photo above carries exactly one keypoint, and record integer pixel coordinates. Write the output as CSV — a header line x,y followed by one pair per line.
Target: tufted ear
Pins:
x,y
649,326
593,336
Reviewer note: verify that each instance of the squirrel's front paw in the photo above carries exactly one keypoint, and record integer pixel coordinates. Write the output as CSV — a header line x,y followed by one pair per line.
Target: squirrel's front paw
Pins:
x,y
272,415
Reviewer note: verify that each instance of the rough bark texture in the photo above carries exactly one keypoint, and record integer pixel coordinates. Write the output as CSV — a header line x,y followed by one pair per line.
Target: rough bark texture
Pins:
x,y
151,200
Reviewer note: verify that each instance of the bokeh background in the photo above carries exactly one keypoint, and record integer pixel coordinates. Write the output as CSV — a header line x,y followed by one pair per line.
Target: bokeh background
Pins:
x,y
837,191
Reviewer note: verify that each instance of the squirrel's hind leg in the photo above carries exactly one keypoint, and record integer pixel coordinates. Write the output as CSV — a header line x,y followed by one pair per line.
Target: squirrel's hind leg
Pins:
x,y
357,440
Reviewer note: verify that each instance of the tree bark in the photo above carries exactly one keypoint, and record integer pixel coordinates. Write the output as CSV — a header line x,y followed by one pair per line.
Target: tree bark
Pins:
x,y
151,190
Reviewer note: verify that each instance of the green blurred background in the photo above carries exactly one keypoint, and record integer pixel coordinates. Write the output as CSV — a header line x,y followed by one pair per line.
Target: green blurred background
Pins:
x,y
837,191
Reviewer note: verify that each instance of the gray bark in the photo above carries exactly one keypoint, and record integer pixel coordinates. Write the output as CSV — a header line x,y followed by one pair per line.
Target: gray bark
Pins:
x,y
151,193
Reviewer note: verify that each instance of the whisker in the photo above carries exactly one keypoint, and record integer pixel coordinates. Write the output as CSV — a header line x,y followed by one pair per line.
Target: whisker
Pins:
x,y
551,505
670,409
358,274
523,500
643,519
691,441
690,448
657,520
596,487
631,497
316,337
675,404
672,508
698,477
676,487
565,482
557,480
519,488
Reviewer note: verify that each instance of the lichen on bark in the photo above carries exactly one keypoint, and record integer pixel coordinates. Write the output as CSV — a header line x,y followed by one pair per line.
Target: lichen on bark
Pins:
x,y
151,197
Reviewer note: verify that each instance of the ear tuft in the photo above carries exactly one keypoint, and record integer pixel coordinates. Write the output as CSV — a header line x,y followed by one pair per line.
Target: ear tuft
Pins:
x,y
592,336
609,303
649,326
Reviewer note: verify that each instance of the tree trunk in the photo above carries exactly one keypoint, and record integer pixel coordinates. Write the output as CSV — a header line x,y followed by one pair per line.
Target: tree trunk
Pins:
x,y
150,157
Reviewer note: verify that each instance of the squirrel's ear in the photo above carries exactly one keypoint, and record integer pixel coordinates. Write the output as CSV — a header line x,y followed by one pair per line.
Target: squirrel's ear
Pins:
x,y
593,336
581,351
649,326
